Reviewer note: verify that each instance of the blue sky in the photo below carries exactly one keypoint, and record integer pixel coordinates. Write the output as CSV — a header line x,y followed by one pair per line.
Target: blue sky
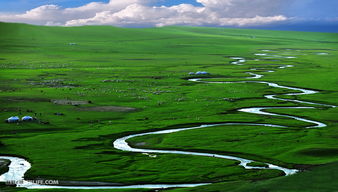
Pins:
x,y
283,12
315,9
301,8
23,5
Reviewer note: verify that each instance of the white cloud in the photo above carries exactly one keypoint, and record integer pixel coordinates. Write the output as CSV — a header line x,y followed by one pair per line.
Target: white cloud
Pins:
x,y
141,13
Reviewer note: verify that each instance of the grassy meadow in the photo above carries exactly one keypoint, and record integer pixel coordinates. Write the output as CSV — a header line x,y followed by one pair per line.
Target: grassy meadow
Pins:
x,y
90,85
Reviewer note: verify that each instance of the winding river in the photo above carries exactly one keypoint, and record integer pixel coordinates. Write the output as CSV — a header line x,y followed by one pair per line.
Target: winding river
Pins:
x,y
19,166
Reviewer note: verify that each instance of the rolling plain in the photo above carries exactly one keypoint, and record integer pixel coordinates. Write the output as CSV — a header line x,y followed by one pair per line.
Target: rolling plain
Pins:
x,y
89,86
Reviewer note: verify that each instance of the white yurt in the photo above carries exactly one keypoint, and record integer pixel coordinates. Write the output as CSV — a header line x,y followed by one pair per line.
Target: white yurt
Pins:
x,y
27,118
13,119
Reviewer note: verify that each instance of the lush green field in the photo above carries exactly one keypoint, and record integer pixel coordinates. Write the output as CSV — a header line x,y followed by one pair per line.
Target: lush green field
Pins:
x,y
44,70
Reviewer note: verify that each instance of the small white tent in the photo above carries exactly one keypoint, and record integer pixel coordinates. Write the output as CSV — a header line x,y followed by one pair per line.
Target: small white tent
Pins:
x,y
13,119
27,118
202,73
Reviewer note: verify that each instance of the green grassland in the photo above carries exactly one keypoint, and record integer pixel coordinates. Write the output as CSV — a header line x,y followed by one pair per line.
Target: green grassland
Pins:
x,y
146,70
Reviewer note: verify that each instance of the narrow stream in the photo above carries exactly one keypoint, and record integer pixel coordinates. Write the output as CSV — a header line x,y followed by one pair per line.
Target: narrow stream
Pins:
x,y
19,166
